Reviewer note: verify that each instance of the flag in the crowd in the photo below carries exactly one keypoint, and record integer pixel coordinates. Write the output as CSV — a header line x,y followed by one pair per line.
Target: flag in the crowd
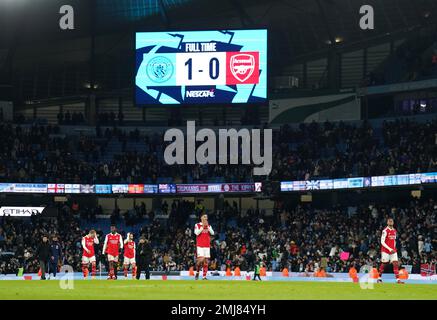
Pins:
x,y
344,255
427,269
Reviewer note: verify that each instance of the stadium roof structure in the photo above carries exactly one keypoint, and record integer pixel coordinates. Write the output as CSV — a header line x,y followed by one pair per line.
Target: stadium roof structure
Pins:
x,y
298,29
299,26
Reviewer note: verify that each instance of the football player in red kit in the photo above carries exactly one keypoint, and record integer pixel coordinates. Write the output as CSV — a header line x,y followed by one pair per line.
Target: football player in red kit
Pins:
x,y
111,247
388,250
203,232
88,254
129,255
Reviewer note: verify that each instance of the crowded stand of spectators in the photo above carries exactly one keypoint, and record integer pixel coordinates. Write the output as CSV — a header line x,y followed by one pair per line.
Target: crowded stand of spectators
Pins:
x,y
343,150
300,238
44,154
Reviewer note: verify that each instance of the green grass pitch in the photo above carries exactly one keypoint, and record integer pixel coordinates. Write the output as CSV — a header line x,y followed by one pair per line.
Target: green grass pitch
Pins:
x,y
195,290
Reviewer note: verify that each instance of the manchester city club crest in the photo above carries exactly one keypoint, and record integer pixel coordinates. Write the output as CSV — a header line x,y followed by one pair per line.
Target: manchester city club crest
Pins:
x,y
160,69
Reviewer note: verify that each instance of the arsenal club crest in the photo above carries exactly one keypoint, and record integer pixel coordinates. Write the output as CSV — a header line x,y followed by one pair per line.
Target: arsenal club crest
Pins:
x,y
242,66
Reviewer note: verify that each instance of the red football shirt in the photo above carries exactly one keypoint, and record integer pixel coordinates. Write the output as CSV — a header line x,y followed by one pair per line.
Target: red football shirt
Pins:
x,y
203,238
113,243
129,249
88,242
388,238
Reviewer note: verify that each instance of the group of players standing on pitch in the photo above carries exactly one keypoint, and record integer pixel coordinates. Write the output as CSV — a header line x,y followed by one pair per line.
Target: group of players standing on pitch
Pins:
x,y
203,231
114,243
111,248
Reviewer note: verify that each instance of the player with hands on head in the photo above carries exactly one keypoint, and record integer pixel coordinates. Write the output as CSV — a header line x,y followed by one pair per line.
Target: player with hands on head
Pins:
x,y
129,255
88,253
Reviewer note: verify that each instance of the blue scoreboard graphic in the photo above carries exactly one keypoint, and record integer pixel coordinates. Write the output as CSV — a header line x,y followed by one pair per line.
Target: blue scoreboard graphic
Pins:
x,y
201,67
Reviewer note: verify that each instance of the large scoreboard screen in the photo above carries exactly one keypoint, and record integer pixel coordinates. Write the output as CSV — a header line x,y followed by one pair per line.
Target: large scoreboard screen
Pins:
x,y
192,67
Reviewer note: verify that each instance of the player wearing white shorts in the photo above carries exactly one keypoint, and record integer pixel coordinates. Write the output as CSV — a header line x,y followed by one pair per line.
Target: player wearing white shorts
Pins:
x,y
388,250
203,232
129,255
111,247
88,254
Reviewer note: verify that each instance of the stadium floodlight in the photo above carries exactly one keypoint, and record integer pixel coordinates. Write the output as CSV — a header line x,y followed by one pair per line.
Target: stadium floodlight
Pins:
x,y
87,85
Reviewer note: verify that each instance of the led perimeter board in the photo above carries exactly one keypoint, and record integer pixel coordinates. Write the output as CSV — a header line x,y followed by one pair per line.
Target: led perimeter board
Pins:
x,y
201,67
